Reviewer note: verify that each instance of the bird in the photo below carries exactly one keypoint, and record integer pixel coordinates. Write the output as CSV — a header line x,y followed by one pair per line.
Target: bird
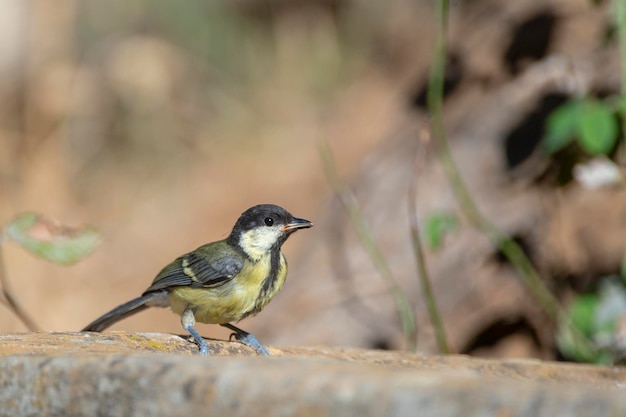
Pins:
x,y
221,282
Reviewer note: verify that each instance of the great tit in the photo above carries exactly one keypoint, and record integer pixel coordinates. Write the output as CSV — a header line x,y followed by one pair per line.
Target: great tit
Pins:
x,y
224,281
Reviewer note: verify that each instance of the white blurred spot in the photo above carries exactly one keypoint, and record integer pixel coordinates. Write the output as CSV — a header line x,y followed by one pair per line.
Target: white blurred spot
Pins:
x,y
596,173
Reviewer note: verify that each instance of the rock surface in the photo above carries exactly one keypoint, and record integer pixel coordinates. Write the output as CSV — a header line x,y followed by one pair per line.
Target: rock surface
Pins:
x,y
127,374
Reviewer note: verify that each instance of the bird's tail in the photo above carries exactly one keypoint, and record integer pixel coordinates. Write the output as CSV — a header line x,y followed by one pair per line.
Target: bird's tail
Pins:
x,y
120,312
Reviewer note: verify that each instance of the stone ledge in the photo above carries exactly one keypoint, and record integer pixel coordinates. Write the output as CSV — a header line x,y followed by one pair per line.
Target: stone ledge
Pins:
x,y
160,375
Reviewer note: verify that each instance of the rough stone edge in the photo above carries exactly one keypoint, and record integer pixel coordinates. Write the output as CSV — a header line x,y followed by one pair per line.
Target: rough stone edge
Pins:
x,y
154,374
165,385
85,343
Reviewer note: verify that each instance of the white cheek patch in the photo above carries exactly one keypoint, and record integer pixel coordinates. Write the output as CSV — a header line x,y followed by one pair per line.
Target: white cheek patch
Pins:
x,y
257,242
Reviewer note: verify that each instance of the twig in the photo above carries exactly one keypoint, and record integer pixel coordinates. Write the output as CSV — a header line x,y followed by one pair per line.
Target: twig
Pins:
x,y
348,200
422,270
620,20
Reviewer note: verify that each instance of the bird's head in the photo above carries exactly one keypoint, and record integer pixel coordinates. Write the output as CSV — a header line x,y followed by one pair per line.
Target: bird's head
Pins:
x,y
264,228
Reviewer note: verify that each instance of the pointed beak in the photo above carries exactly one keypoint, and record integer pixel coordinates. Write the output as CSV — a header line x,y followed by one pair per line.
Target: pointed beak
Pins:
x,y
297,224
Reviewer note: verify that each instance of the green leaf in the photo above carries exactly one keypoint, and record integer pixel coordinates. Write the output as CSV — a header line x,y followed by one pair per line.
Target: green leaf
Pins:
x,y
597,317
561,127
582,312
437,226
597,128
49,241
581,316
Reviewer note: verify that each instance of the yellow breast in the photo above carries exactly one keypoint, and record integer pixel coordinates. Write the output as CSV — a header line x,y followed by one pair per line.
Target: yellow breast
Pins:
x,y
235,299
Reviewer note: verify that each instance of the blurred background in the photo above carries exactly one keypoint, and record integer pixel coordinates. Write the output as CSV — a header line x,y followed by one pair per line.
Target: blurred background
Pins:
x,y
160,122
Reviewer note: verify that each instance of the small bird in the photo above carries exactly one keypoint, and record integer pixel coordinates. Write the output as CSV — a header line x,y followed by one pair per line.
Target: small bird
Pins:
x,y
224,281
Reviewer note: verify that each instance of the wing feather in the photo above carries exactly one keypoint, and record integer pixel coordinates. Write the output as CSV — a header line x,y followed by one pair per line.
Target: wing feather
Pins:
x,y
196,271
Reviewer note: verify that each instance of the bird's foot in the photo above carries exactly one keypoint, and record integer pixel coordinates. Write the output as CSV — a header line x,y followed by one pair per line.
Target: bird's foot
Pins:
x,y
200,342
251,341
247,339
188,322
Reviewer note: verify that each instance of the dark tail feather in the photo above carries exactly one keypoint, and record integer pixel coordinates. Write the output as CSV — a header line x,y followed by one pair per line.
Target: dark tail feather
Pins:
x,y
119,313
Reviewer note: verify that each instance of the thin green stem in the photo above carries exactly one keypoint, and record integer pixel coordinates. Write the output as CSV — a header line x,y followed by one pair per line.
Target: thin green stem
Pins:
x,y
507,246
10,301
424,276
348,200
435,108
620,21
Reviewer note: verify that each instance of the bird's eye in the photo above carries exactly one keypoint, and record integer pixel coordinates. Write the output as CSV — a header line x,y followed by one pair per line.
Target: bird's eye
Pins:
x,y
269,221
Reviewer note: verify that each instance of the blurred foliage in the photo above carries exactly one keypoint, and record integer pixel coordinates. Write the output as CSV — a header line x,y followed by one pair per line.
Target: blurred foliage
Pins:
x,y
601,317
46,240
594,124
438,225
589,122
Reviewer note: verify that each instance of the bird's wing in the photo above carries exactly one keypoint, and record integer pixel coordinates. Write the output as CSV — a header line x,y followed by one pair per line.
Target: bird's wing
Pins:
x,y
194,270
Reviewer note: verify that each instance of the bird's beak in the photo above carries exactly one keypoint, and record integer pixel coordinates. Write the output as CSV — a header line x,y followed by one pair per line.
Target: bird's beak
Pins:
x,y
297,224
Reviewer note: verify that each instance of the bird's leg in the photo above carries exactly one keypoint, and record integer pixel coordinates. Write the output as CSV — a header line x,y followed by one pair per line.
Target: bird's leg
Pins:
x,y
247,339
188,320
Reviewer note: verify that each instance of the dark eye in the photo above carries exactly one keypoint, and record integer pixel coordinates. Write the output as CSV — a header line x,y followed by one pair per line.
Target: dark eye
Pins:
x,y
269,221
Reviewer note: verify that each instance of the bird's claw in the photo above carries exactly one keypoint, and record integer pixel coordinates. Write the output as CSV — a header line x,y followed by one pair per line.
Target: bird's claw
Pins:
x,y
251,341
